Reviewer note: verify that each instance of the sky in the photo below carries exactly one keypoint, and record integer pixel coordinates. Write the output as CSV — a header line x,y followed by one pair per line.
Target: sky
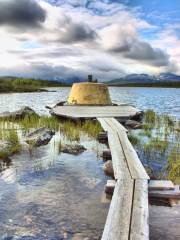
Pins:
x,y
64,39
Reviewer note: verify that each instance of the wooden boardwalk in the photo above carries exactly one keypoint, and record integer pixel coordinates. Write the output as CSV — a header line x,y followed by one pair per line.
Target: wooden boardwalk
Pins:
x,y
88,112
128,214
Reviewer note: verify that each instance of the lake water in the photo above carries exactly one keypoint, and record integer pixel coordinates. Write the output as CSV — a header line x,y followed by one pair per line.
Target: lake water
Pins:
x,y
50,195
162,100
46,194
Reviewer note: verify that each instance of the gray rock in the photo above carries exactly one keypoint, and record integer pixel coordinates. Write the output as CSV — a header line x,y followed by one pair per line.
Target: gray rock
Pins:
x,y
60,103
75,149
19,114
108,168
40,137
133,124
56,105
4,163
48,107
138,116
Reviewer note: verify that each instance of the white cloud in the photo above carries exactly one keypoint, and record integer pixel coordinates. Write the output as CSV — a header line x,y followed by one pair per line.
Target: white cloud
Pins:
x,y
77,40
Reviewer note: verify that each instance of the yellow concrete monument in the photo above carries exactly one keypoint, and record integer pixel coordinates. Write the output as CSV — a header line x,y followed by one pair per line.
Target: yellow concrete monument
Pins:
x,y
89,93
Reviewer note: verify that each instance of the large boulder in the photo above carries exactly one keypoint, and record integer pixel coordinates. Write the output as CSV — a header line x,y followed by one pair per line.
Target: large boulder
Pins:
x,y
19,114
40,137
138,116
74,149
108,168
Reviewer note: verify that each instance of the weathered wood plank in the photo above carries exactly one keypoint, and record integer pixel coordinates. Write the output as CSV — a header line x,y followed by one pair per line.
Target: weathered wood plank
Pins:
x,y
116,125
120,167
161,185
140,213
128,213
118,158
135,166
119,215
122,111
104,124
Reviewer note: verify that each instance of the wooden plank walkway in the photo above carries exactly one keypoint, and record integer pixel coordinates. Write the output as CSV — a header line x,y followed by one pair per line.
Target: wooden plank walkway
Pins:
x,y
88,112
128,214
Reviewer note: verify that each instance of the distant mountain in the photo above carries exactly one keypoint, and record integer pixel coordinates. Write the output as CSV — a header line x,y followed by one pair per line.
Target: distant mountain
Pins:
x,y
168,77
70,80
145,79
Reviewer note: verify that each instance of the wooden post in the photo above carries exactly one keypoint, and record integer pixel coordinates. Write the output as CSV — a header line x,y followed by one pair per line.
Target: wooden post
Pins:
x,y
106,155
102,137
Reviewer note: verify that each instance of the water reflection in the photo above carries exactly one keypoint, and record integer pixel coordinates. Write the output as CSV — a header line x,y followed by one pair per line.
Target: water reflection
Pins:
x,y
45,194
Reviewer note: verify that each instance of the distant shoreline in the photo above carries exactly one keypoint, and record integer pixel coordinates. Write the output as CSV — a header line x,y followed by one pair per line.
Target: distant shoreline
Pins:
x,y
24,85
30,90
148,85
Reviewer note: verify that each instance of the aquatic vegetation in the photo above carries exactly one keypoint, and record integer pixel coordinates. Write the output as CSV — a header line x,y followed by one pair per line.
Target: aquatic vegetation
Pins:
x,y
92,128
74,130
173,166
146,133
133,139
150,117
11,141
34,122
157,143
69,130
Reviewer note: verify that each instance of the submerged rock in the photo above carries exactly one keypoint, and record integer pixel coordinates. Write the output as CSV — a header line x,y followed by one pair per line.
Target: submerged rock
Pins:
x,y
75,149
133,124
80,236
40,137
108,168
19,114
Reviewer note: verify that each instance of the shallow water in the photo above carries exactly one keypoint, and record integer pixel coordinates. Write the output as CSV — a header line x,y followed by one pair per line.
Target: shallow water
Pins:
x,y
45,194
48,195
162,100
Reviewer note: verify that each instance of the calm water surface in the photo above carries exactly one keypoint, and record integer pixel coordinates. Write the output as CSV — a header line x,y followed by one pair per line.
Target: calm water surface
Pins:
x,y
45,194
162,100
